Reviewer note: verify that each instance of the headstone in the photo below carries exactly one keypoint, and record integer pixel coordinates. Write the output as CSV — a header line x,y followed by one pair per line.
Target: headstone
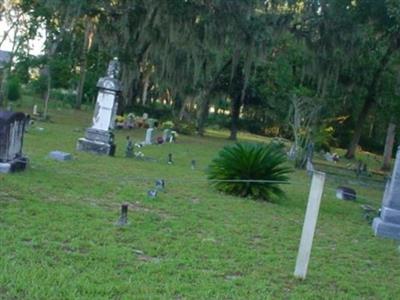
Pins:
x,y
129,147
149,136
99,138
170,162
59,155
130,121
35,111
123,219
346,193
12,129
193,164
328,156
388,224
152,193
167,135
160,184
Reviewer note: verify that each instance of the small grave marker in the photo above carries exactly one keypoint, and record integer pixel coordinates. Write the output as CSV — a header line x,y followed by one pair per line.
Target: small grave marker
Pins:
x,y
160,184
170,162
310,222
129,147
345,193
60,156
152,193
123,219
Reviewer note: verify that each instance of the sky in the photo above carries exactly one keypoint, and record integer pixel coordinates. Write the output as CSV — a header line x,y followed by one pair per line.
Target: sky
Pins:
x,y
36,45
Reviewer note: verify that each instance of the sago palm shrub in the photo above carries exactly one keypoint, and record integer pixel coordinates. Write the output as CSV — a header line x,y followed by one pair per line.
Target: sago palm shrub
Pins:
x,y
250,170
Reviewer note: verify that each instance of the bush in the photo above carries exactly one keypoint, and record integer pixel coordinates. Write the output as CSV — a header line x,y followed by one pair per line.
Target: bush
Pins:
x,y
323,139
13,89
246,161
185,127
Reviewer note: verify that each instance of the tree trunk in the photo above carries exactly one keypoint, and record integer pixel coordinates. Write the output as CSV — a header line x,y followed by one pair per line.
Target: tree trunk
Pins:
x,y
146,82
83,66
128,79
351,151
387,154
3,88
235,113
202,113
47,94
370,99
204,105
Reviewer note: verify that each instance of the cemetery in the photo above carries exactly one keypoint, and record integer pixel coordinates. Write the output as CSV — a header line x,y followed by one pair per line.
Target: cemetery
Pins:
x,y
200,150
64,224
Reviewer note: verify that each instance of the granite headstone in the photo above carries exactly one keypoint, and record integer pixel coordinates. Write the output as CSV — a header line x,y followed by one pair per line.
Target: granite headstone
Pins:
x,y
388,224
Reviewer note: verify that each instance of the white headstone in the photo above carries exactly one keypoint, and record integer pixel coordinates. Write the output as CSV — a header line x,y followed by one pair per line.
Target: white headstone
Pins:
x,y
149,136
105,112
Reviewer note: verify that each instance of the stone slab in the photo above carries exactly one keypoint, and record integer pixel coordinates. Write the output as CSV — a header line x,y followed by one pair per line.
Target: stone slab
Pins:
x,y
96,147
59,155
385,229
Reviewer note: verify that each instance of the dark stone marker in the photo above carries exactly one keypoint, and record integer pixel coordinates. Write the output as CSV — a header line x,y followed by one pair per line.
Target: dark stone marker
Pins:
x,y
160,184
170,162
193,164
129,147
12,129
123,219
346,193
388,224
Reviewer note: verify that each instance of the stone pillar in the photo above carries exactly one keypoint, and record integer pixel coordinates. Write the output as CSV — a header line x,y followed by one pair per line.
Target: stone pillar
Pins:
x,y
99,138
388,224
12,128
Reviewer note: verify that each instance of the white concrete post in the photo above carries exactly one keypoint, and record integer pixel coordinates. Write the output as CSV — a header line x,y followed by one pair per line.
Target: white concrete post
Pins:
x,y
310,221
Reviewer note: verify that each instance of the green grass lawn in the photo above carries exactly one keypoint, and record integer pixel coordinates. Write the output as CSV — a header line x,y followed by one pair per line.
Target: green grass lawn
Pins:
x,y
58,239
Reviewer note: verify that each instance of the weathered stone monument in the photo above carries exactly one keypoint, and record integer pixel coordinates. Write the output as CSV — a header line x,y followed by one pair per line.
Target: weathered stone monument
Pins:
x,y
149,139
167,135
100,138
388,224
12,128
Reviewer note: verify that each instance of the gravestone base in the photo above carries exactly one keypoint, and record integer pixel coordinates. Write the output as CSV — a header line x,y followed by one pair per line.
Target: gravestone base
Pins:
x,y
96,147
98,135
386,229
14,165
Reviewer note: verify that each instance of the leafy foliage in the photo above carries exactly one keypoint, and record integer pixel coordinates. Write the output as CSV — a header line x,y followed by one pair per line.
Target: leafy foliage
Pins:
x,y
13,89
248,161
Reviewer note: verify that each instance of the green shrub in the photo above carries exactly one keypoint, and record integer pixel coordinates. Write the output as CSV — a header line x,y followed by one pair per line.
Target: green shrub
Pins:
x,y
185,127
323,139
13,89
168,125
246,161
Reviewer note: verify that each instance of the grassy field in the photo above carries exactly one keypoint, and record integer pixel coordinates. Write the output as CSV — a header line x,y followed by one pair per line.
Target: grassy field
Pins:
x,y
58,238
